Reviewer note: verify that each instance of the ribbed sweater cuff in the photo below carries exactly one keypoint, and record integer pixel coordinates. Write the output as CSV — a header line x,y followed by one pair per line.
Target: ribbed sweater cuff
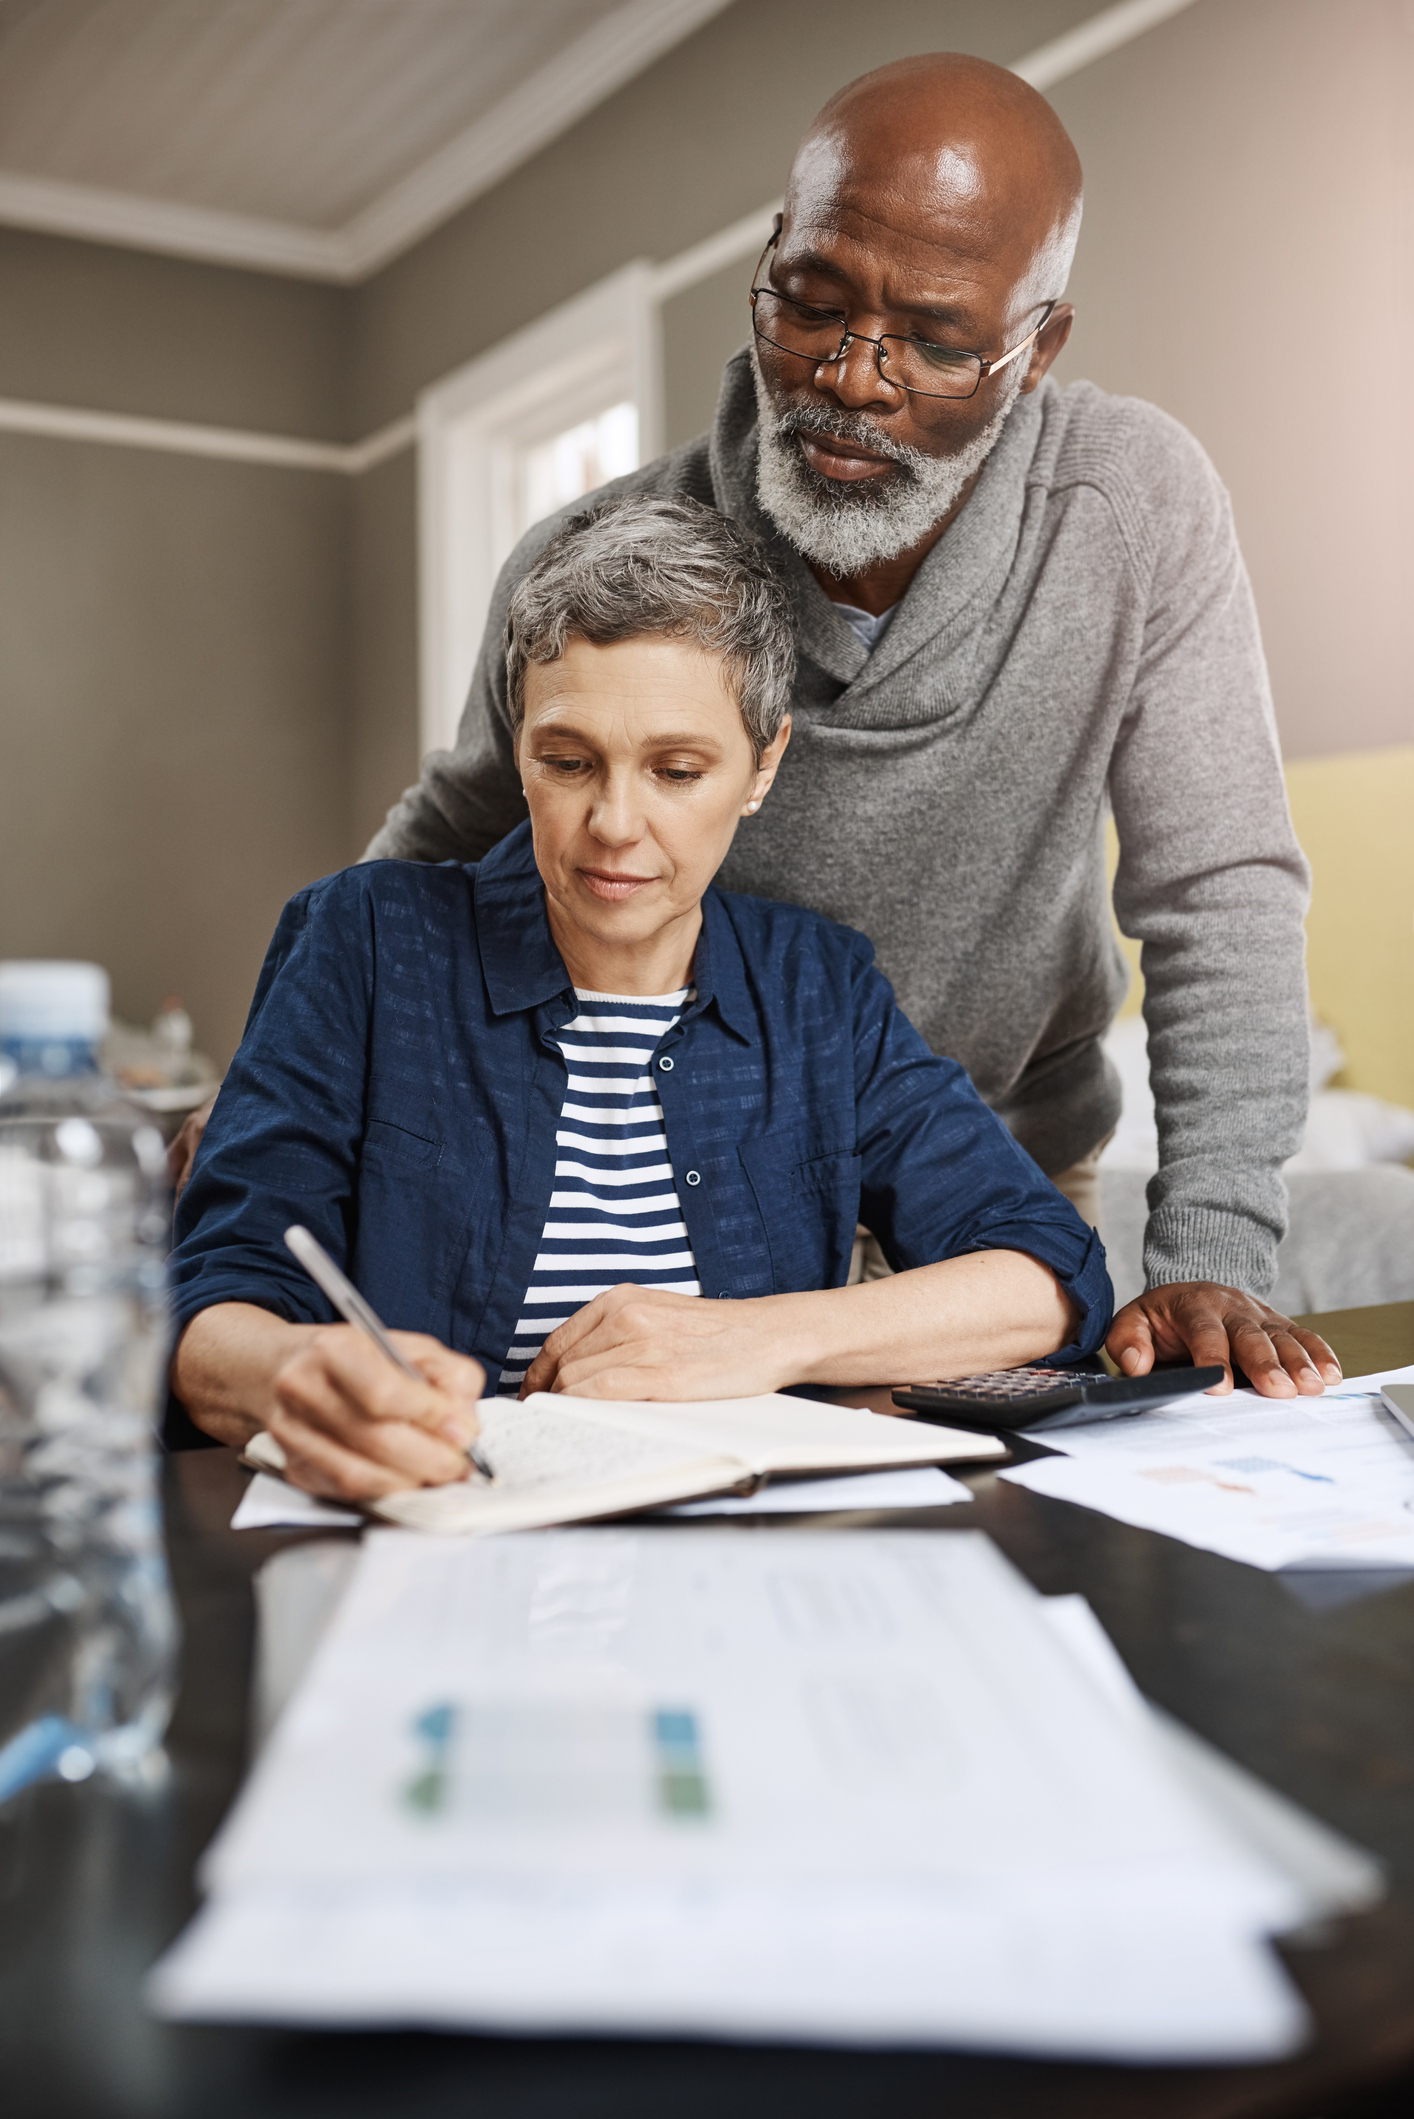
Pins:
x,y
1199,1243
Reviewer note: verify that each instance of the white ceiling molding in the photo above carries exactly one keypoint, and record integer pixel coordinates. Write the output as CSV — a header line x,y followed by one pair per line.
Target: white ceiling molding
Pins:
x,y
583,75
543,106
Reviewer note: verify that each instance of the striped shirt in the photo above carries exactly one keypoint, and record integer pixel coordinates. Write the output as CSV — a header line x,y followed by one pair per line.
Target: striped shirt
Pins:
x,y
615,1214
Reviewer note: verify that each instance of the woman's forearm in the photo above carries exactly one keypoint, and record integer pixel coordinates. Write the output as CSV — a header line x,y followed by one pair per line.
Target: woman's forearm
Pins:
x,y
985,1310
225,1367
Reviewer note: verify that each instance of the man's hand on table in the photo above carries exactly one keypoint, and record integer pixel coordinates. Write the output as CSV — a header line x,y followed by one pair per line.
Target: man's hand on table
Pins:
x,y
353,1427
1209,1325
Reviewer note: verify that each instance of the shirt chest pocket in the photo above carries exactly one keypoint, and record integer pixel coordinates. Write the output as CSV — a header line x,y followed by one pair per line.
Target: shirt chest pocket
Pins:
x,y
427,1191
807,1194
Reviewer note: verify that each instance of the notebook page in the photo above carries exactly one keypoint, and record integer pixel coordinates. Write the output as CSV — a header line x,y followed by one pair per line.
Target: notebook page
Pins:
x,y
554,1465
779,1433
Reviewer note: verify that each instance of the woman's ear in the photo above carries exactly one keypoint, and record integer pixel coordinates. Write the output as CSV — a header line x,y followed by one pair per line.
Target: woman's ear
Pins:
x,y
771,757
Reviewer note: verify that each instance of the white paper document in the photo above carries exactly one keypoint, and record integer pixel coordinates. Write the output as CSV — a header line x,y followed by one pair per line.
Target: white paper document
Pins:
x,y
271,1504
847,1788
922,1487
1322,1482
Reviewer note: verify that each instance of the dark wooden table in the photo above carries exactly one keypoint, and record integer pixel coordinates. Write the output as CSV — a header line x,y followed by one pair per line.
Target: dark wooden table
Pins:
x,y
1318,1701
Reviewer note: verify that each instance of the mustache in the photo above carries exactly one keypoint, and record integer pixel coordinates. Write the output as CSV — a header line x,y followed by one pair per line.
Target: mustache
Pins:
x,y
856,427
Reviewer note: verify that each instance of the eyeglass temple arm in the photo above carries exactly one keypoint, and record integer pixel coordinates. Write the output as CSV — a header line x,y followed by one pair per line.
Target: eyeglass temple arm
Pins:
x,y
991,367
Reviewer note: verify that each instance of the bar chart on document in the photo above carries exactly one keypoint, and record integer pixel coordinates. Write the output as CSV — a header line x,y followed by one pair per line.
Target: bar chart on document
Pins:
x,y
1322,1482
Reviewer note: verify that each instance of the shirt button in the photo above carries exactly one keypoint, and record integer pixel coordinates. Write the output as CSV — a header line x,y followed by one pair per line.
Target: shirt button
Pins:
x,y
694,1177
666,1064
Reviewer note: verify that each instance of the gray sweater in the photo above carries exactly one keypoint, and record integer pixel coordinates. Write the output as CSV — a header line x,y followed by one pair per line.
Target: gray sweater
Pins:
x,y
1083,638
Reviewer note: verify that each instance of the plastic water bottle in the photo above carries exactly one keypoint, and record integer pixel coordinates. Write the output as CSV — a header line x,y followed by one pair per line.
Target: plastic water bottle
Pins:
x,y
87,1630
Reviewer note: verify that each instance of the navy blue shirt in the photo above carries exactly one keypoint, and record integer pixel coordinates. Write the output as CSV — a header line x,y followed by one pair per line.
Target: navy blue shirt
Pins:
x,y
398,1090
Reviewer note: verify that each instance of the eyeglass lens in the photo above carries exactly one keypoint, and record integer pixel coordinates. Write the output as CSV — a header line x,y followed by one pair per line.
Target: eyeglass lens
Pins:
x,y
931,371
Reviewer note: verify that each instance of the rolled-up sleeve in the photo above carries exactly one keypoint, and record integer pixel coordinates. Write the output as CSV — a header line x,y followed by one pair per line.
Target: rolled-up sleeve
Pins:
x,y
941,1175
282,1144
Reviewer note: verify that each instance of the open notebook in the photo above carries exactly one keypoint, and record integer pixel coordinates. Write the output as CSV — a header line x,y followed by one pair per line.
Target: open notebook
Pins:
x,y
568,1460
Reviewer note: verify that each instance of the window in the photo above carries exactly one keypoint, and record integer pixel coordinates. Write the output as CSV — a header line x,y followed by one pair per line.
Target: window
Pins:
x,y
558,471
542,418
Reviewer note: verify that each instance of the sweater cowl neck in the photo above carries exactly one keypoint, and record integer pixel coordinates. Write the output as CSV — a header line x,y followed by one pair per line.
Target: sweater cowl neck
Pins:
x,y
958,582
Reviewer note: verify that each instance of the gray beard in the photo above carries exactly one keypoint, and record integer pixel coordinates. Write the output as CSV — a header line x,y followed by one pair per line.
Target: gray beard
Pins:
x,y
848,527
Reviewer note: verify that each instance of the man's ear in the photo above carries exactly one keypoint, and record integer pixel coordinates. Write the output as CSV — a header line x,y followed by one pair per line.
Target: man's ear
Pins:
x,y
1048,346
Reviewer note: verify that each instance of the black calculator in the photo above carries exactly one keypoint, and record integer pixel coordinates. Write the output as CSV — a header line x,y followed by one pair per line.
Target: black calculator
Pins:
x,y
1006,1400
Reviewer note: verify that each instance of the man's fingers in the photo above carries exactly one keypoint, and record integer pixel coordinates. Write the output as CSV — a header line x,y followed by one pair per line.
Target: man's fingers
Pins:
x,y
1204,1338
1131,1343
1318,1353
1295,1360
1255,1350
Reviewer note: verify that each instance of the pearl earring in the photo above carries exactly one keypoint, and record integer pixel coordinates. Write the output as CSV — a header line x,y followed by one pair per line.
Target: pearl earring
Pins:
x,y
751,808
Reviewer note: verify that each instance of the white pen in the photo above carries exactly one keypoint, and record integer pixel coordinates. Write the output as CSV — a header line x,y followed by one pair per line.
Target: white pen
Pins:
x,y
355,1311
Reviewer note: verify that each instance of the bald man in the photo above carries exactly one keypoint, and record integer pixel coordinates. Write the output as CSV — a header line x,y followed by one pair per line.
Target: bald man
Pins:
x,y
1019,607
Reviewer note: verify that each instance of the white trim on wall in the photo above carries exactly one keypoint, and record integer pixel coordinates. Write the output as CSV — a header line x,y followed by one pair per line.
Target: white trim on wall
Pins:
x,y
591,351
544,105
1093,39
184,438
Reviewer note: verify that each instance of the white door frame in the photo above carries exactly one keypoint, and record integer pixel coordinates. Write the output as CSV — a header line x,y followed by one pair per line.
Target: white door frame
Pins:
x,y
471,428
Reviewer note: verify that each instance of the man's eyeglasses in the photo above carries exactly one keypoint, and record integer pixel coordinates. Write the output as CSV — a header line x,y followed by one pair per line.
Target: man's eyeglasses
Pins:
x,y
823,336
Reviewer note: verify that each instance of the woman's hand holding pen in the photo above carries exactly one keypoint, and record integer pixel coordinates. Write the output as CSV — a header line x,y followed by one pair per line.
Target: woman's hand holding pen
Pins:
x,y
354,1428
352,1425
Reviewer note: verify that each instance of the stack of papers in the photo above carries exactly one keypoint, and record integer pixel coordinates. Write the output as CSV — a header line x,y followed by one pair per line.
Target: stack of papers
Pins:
x,y
1296,1483
844,1788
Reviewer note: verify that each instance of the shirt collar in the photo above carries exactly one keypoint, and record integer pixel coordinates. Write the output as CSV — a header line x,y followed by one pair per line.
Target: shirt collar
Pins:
x,y
523,968
518,954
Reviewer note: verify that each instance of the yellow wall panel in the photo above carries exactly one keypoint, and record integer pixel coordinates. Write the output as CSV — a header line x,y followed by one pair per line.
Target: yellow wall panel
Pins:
x,y
1355,817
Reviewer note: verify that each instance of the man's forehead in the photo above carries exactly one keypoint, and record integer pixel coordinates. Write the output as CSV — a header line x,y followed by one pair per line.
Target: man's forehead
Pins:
x,y
935,212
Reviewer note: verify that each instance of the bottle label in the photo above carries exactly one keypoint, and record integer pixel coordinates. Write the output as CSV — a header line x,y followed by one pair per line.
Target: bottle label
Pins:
x,y
52,1057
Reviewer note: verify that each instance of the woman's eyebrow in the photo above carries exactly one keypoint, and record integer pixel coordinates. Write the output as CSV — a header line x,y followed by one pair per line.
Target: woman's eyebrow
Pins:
x,y
562,731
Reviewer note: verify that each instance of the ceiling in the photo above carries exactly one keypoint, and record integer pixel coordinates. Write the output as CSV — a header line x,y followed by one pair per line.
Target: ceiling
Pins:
x,y
318,136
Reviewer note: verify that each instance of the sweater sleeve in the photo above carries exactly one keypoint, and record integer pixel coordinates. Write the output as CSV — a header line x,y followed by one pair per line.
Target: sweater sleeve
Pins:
x,y
284,1140
469,798
1212,883
940,1174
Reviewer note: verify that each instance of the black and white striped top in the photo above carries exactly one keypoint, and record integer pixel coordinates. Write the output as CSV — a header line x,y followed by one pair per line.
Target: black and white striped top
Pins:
x,y
615,1214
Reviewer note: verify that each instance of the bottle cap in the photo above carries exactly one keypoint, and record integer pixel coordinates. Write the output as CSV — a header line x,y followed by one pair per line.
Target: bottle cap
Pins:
x,y
63,1002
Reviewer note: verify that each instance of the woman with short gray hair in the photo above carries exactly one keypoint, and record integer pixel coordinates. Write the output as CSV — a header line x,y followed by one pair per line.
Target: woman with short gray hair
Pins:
x,y
539,1106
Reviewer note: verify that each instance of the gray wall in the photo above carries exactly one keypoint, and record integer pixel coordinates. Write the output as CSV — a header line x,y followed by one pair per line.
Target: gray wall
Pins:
x,y
208,672
172,697
700,138
1245,263
174,638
